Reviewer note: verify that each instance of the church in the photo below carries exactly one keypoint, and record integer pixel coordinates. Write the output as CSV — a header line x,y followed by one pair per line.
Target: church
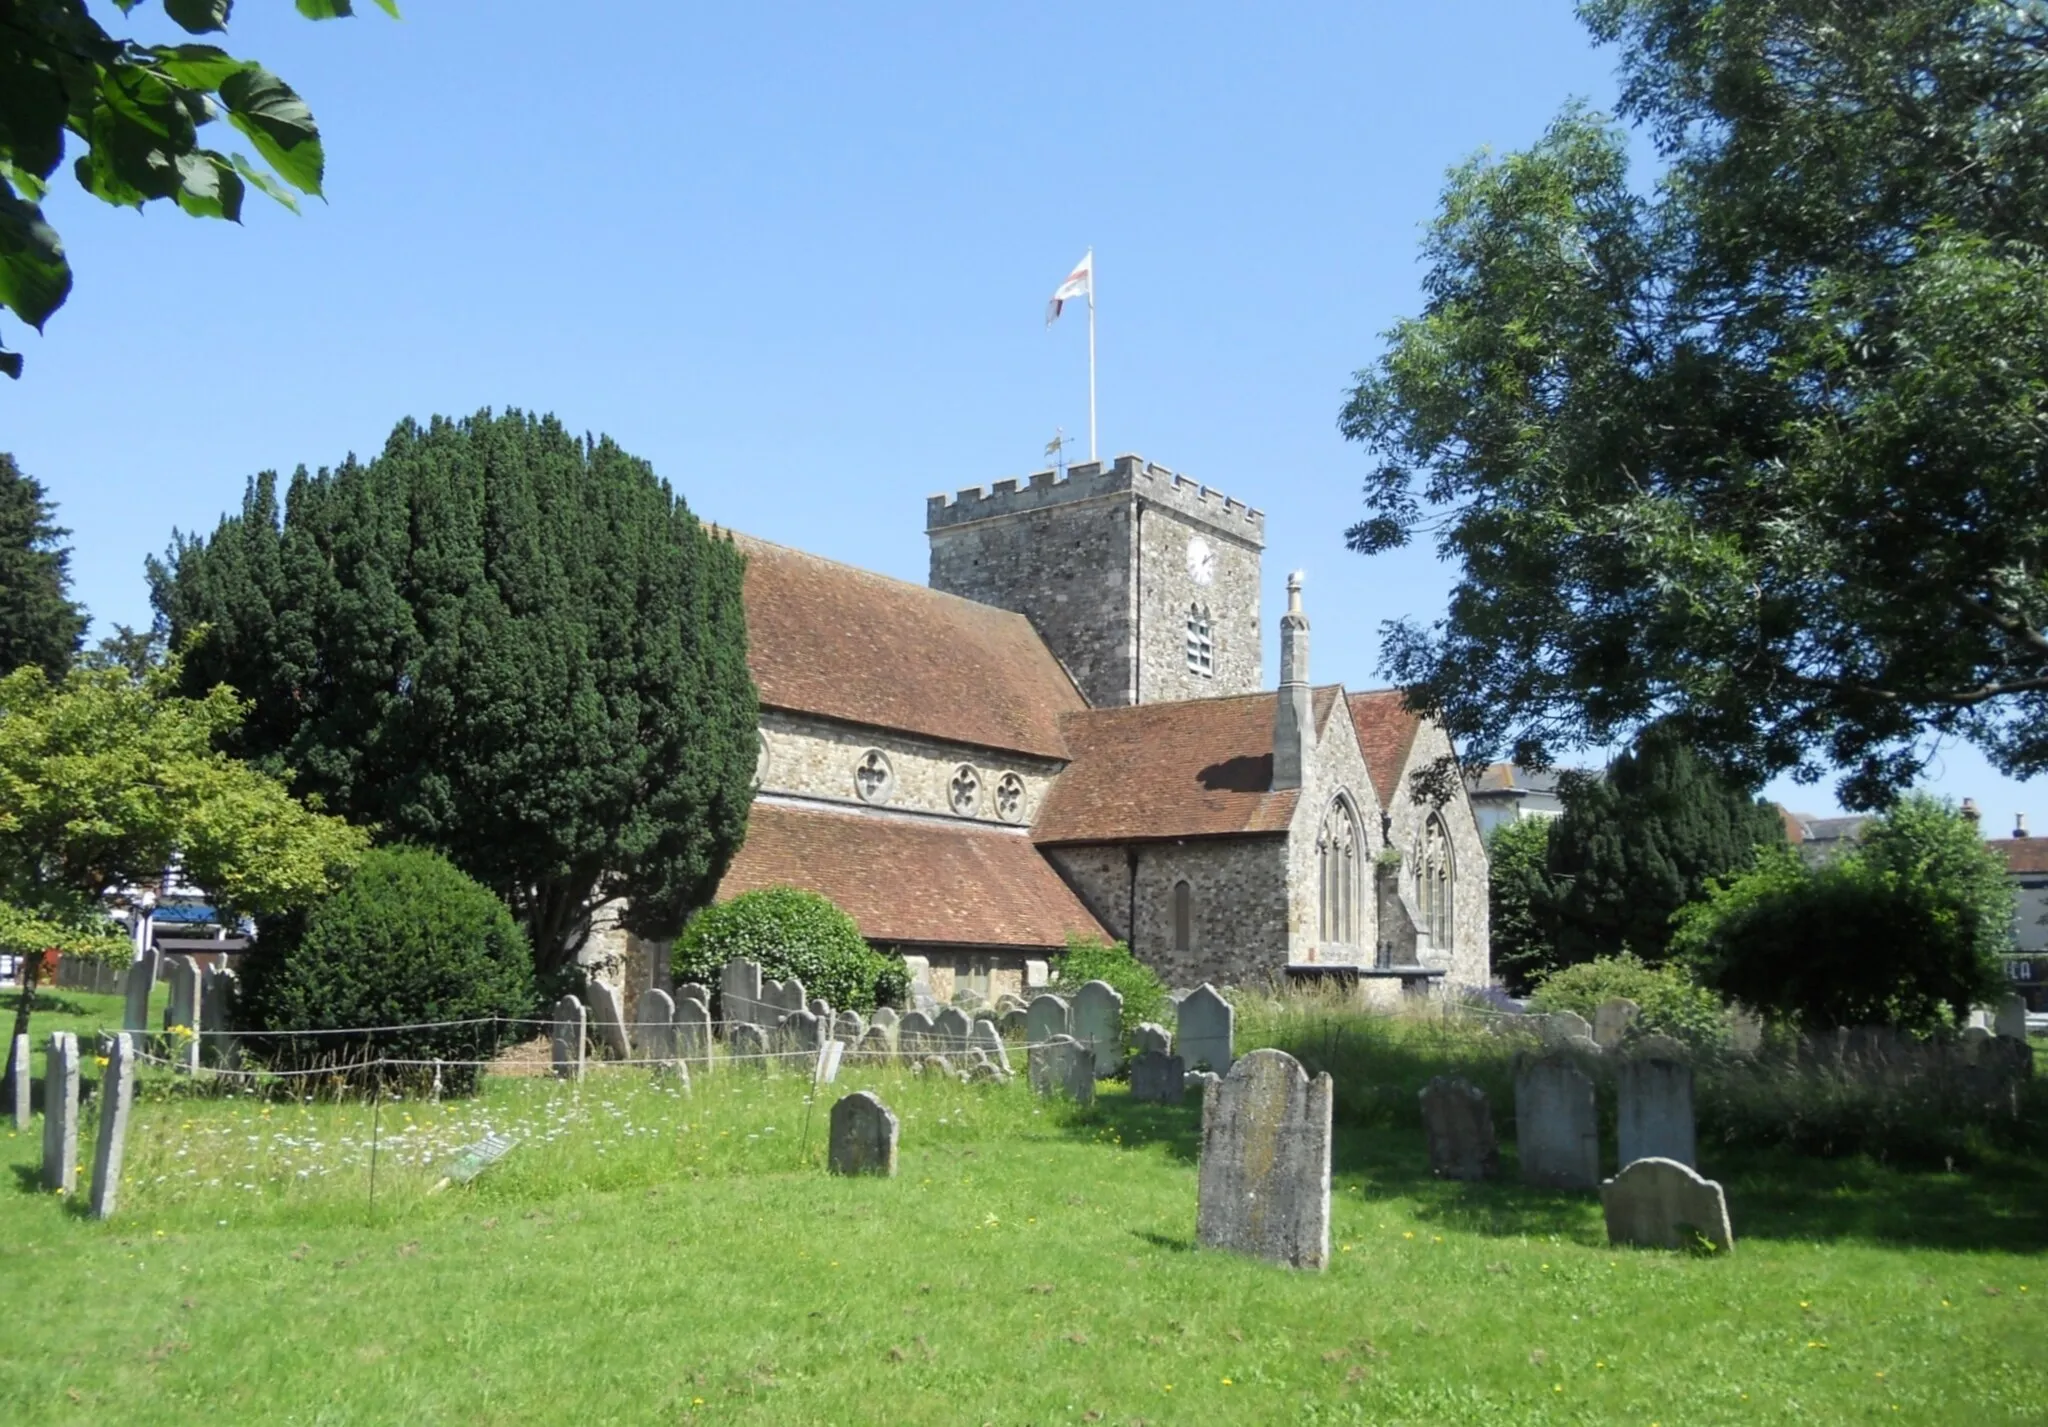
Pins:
x,y
1064,734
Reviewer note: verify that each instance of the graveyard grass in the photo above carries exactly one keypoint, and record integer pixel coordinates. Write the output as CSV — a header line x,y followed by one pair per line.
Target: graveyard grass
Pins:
x,y
643,1256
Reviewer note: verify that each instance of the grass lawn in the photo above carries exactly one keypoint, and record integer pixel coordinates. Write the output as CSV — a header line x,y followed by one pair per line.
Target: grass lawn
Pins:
x,y
84,1013
647,1257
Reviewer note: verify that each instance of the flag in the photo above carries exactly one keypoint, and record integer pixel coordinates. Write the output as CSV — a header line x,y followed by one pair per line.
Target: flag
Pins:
x,y
1080,283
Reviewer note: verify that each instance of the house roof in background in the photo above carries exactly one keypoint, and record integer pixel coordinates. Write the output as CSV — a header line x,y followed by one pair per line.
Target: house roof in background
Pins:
x,y
2021,854
914,881
1386,734
844,643
1196,768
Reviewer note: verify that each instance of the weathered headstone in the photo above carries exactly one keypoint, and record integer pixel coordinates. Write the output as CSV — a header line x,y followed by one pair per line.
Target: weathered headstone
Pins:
x,y
876,1045
1653,1110
1612,1020
1098,1019
1158,1078
819,1007
654,1030
183,978
117,1097
608,1019
1561,1026
984,1037
849,1027
1662,1204
1556,1134
693,991
779,998
951,1026
1658,1046
143,973
60,1112
739,993
829,1056
1014,1023
1061,1066
886,1017
568,1038
746,1046
216,1003
693,1033
935,1065
1458,1121
863,1136
985,1072
2010,1018
1047,1016
914,1035
801,1031
1264,1177
1153,1036
1202,1079
17,1080
1207,1027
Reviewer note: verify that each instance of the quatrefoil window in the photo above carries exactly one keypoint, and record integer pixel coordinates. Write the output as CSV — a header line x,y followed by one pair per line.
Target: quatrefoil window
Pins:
x,y
964,792
1010,798
873,778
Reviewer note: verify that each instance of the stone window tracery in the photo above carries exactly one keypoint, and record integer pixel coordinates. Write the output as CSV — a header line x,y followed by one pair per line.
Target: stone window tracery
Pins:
x,y
964,792
1010,798
1183,916
873,777
1436,880
1201,643
1339,854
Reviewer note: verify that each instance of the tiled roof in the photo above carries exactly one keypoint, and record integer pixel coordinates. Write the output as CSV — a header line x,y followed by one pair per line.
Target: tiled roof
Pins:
x,y
828,639
1386,733
1795,825
1509,778
2021,854
1197,768
911,880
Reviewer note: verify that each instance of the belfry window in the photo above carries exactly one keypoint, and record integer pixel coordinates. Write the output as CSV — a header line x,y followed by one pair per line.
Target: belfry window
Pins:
x,y
1436,880
1183,916
1201,643
1339,850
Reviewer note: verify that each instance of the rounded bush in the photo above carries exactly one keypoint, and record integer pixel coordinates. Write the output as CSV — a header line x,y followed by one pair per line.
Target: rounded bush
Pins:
x,y
1670,999
408,939
790,932
1087,960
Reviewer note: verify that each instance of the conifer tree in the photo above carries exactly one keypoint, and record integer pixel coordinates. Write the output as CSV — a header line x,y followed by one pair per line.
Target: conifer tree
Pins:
x,y
498,641
1639,843
39,624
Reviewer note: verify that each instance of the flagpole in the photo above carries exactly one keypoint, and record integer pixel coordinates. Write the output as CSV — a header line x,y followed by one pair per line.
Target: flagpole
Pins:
x,y
1091,355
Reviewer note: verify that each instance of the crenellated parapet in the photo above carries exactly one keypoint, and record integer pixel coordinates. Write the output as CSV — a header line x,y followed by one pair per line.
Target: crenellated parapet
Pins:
x,y
1091,480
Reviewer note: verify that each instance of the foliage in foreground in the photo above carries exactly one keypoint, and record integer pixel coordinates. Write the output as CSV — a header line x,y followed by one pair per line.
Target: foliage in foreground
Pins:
x,y
1758,447
407,939
500,641
791,932
1091,959
131,114
1671,1000
1904,931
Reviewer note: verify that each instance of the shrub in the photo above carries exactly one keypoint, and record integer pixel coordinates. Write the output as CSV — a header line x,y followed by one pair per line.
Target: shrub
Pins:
x,y
1087,959
791,932
406,939
1671,1000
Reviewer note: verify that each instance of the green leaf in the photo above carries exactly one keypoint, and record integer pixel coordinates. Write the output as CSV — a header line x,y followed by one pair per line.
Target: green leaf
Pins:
x,y
10,363
209,186
199,16
23,182
278,123
325,9
264,181
197,66
34,277
389,7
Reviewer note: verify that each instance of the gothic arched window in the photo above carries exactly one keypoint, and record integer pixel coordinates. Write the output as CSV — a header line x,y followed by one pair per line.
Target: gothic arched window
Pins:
x,y
1183,916
1436,880
1340,851
1201,643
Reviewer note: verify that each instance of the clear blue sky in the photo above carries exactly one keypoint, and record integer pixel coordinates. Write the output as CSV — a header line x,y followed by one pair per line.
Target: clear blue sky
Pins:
x,y
797,257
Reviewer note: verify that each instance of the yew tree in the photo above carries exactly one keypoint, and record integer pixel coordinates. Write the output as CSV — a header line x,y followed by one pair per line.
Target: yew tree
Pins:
x,y
500,641
1754,443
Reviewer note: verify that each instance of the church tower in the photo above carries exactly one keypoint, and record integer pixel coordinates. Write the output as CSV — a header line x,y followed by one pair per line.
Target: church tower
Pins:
x,y
1145,584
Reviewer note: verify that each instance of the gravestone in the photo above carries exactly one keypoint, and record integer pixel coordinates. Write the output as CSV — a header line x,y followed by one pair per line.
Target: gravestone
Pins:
x,y
1556,1135
1202,1079
739,993
1207,1028
1264,1176
143,974
1561,1026
951,1026
1015,1023
864,1134
1036,973
875,1045
608,1017
829,1056
654,1030
935,1065
887,1017
1098,1024
1061,1066
801,1031
984,1072
694,991
1153,1036
1653,1110
1745,1032
819,1007
1158,1078
216,1000
746,1046
17,1080
914,1035
1660,1047
779,998
1009,1001
2010,1018
693,1033
60,1112
1612,1021
1458,1121
183,978
1580,1045
984,1037
568,1040
1047,1016
1662,1204
117,1097
849,1027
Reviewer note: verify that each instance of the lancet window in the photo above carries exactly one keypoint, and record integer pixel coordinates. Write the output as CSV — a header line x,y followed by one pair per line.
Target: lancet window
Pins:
x,y
1340,853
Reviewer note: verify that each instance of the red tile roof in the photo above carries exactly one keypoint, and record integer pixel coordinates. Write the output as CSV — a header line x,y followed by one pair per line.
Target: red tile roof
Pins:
x,y
1198,768
913,881
2021,854
1386,733
828,639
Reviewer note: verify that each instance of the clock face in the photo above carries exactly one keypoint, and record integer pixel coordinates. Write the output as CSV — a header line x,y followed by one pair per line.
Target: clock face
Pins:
x,y
1201,561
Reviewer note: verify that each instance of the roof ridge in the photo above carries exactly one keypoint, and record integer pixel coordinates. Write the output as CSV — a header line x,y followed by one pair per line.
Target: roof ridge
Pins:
x,y
743,538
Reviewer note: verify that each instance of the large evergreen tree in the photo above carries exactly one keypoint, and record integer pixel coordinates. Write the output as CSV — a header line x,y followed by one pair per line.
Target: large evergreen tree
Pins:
x,y
1518,890
1636,845
39,624
499,641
